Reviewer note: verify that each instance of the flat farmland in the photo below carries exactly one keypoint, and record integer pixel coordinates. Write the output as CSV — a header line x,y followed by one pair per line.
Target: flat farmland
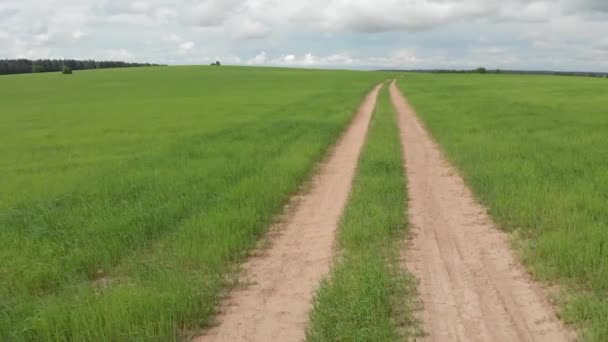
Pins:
x,y
235,203
534,150
128,197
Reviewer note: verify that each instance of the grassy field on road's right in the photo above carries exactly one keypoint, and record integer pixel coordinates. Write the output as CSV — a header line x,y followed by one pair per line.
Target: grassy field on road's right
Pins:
x,y
534,149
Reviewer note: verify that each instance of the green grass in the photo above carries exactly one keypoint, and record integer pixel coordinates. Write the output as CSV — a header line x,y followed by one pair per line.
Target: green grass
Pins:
x,y
535,151
128,196
368,297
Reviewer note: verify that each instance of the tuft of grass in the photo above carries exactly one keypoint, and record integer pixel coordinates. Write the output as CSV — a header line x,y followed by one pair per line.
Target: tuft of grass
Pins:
x,y
128,197
368,297
534,151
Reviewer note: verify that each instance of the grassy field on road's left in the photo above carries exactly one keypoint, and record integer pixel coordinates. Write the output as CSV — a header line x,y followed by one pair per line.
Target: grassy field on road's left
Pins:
x,y
127,196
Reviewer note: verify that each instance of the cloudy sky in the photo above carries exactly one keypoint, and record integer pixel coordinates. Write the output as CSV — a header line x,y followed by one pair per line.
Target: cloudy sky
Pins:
x,y
517,34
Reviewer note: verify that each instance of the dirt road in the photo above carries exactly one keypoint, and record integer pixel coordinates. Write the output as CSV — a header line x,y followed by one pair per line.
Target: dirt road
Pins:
x,y
284,278
472,286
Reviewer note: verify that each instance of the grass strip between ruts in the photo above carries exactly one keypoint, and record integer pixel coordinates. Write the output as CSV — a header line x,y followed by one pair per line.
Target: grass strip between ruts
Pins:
x,y
368,296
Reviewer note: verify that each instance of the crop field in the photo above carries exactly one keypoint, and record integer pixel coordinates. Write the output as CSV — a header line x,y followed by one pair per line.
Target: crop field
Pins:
x,y
128,197
534,149
229,203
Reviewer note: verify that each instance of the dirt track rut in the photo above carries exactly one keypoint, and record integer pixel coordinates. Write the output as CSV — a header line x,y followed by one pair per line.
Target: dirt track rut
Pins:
x,y
283,279
471,285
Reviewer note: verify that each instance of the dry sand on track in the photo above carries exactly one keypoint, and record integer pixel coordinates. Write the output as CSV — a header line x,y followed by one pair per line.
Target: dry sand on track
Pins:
x,y
471,285
275,307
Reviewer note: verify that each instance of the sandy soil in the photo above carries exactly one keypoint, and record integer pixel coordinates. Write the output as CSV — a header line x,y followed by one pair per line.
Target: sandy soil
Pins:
x,y
471,285
275,307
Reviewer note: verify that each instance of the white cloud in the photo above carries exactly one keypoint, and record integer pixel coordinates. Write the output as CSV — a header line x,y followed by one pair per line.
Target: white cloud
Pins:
x,y
78,34
340,59
289,59
586,5
602,44
118,55
172,38
259,59
398,58
564,34
6,11
246,29
388,15
533,11
140,6
209,13
186,47
165,15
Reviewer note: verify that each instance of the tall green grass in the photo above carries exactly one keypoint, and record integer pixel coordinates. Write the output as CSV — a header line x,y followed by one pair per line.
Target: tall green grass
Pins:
x,y
368,297
535,151
128,196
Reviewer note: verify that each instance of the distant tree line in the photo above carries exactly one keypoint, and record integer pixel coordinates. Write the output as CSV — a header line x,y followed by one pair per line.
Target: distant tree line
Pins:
x,y
26,66
500,71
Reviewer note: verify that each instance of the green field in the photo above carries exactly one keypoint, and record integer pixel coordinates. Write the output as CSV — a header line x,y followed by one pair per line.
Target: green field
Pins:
x,y
128,196
368,297
535,151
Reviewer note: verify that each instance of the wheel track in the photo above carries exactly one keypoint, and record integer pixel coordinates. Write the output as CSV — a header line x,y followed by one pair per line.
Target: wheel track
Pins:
x,y
472,286
283,279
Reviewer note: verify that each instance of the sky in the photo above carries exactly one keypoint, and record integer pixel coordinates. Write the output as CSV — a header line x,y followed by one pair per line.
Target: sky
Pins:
x,y
360,34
